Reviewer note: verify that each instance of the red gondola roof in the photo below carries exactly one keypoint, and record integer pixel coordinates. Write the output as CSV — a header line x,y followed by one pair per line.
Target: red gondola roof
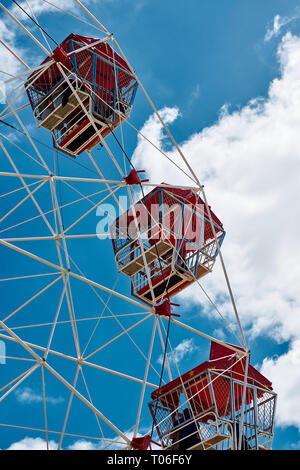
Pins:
x,y
188,196
184,195
221,358
103,49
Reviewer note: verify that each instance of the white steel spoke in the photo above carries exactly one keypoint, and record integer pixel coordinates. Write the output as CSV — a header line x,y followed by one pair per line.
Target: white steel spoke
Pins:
x,y
145,377
106,182
210,299
211,338
24,377
102,28
90,118
127,121
28,239
21,188
66,253
90,398
17,358
27,189
76,276
16,379
244,396
23,28
116,318
58,432
106,289
87,402
38,347
14,54
17,339
32,298
62,322
164,352
118,336
97,324
24,87
45,407
55,319
90,210
54,211
29,347
68,408
146,267
11,142
70,178
32,70
22,201
120,374
41,31
70,14
28,136
28,277
72,317
17,110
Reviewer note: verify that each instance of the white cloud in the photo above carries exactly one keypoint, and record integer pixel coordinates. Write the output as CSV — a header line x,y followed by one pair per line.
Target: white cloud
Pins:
x,y
28,396
11,33
183,349
219,333
152,129
85,445
12,65
283,371
249,163
295,445
37,443
39,7
278,23
29,443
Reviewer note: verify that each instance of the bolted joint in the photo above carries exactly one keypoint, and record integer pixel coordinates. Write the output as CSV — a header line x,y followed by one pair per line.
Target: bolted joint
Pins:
x,y
133,177
165,309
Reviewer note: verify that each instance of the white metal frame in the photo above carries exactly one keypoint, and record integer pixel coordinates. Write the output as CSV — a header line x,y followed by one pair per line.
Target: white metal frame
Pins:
x,y
66,270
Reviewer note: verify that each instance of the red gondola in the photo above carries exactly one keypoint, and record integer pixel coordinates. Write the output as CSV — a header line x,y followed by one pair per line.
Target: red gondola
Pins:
x,y
212,393
177,242
86,89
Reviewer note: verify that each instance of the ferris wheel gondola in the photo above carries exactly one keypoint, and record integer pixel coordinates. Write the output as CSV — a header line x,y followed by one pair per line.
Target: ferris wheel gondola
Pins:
x,y
83,77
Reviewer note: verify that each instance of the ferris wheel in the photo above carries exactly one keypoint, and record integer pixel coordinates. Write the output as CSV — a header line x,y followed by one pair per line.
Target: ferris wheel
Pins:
x,y
89,316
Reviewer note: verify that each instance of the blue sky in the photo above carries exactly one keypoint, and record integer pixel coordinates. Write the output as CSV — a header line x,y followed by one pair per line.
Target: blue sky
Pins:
x,y
201,62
